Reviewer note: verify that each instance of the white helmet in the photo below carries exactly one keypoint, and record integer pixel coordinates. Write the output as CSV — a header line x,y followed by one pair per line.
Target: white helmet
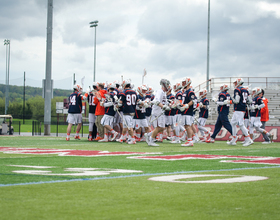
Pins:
x,y
150,90
111,85
142,89
202,93
186,81
177,86
224,87
238,82
256,91
126,82
78,87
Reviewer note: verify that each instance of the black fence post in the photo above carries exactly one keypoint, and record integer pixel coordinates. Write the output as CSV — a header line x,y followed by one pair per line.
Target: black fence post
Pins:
x,y
18,127
32,128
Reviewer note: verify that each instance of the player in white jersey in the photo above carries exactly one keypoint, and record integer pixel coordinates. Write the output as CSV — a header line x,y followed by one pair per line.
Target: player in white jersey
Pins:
x,y
158,118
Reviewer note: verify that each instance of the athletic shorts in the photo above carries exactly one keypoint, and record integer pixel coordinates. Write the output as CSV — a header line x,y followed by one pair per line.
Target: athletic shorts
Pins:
x,y
187,120
91,117
128,121
107,120
169,119
139,123
255,122
201,121
237,118
74,118
159,122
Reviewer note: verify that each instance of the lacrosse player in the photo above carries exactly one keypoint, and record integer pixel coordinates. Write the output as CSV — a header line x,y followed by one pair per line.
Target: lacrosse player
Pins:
x,y
92,107
158,119
223,110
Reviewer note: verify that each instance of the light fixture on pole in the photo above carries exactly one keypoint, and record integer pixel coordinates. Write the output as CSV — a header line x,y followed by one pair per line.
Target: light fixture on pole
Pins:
x,y
7,43
94,24
208,48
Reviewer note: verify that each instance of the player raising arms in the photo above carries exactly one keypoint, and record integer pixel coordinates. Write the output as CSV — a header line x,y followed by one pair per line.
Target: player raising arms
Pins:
x,y
160,105
75,110
240,100
128,98
223,110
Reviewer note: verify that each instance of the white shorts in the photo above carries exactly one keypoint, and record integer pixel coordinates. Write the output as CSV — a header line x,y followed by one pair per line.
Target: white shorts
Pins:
x,y
246,122
237,118
74,118
201,121
255,122
169,119
118,119
91,117
159,122
187,120
128,121
107,120
139,123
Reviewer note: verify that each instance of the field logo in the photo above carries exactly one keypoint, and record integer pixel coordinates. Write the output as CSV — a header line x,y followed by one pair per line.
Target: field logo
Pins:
x,y
240,159
182,178
65,152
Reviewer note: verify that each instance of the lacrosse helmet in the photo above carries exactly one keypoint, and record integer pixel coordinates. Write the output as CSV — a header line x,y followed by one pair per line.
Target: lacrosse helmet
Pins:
x,y
165,83
126,82
224,87
95,85
202,93
177,86
238,82
186,81
150,90
78,88
142,89
256,91
111,85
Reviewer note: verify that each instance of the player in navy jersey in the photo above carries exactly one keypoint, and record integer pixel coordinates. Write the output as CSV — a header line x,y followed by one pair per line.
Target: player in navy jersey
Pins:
x,y
109,116
203,114
127,100
256,107
139,118
75,110
223,103
188,99
91,115
239,99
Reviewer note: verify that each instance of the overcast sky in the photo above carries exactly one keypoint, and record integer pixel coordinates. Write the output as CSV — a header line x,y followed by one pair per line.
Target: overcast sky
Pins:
x,y
168,38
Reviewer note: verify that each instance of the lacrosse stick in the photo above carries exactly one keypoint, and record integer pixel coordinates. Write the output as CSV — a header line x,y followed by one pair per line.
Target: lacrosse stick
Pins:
x,y
121,117
156,118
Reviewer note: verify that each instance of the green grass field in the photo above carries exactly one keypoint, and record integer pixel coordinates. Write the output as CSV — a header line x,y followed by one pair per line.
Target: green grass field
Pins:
x,y
111,186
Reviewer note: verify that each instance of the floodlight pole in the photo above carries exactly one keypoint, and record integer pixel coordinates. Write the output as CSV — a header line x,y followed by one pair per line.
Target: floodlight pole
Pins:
x,y
208,45
94,24
48,84
7,43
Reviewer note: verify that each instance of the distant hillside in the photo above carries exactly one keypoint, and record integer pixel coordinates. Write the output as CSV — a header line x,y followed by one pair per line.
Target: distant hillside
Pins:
x,y
16,92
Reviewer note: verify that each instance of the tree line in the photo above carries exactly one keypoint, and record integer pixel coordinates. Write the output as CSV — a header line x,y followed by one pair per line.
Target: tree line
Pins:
x,y
34,103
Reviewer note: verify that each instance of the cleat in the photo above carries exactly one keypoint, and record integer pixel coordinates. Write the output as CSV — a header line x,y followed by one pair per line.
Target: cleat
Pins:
x,y
131,142
187,144
159,140
169,138
266,142
232,141
147,138
119,140
114,136
196,141
98,138
210,140
254,137
176,142
247,143
203,139
153,144
77,137
67,139
104,140
270,136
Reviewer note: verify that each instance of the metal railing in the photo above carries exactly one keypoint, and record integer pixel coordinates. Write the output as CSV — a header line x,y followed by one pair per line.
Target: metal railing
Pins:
x,y
272,83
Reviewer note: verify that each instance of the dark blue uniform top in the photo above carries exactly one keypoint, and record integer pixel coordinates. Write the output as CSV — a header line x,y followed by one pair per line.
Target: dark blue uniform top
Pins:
x,y
92,106
179,97
187,97
203,112
110,110
129,98
243,93
75,103
256,112
149,109
141,112
172,111
223,109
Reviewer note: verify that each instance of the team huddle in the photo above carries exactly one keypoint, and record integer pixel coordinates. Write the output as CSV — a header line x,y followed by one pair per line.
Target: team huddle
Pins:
x,y
124,114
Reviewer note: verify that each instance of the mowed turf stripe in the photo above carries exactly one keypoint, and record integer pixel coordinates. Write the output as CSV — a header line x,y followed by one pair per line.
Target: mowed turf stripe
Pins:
x,y
133,175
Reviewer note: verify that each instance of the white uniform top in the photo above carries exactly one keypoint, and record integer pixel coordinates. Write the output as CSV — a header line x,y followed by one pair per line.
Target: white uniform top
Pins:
x,y
161,97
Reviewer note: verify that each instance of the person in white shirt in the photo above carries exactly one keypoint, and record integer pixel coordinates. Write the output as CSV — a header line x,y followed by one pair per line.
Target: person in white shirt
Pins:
x,y
158,117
